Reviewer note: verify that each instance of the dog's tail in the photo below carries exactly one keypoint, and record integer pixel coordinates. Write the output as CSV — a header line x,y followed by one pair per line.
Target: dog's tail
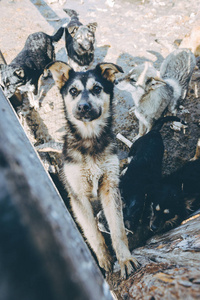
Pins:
x,y
71,13
57,36
159,123
74,20
179,65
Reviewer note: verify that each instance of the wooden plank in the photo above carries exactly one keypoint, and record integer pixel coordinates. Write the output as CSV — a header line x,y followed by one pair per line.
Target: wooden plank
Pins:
x,y
42,254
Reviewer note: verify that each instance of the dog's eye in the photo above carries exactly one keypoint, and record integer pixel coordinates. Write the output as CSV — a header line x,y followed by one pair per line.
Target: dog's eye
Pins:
x,y
132,80
73,91
96,89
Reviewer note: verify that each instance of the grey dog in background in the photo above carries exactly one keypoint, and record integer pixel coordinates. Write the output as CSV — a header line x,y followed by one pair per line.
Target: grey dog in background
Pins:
x,y
79,42
154,92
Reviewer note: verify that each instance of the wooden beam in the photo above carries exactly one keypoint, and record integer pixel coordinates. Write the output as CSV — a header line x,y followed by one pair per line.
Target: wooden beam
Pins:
x,y
42,254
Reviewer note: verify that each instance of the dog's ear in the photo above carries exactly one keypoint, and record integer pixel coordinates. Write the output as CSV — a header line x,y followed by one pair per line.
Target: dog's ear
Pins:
x,y
108,70
92,26
154,83
72,30
60,72
19,72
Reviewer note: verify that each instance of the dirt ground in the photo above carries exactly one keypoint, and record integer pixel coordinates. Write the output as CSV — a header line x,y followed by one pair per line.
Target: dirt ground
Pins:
x,y
126,34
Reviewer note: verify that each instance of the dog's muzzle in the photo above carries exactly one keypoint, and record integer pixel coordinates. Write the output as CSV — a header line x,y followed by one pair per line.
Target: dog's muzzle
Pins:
x,y
86,112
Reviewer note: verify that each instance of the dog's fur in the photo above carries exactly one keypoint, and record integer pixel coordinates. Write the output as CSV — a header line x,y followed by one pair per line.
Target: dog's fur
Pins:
x,y
153,93
143,172
25,69
80,41
90,163
177,195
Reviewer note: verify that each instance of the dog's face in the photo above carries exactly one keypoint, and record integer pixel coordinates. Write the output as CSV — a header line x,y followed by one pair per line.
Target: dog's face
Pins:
x,y
11,77
83,38
87,95
141,80
166,205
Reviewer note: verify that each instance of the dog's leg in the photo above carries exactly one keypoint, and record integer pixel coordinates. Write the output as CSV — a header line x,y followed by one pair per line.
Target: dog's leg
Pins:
x,y
142,129
172,108
112,205
85,217
33,100
78,188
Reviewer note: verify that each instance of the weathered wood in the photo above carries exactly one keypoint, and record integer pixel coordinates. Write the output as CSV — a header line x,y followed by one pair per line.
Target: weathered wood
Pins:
x,y
170,266
42,255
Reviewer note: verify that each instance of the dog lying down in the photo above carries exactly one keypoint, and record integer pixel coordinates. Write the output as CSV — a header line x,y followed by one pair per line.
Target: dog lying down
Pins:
x,y
79,42
143,171
90,163
155,93
25,69
175,198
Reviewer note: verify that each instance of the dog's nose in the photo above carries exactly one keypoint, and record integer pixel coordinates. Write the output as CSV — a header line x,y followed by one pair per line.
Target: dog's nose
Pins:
x,y
84,107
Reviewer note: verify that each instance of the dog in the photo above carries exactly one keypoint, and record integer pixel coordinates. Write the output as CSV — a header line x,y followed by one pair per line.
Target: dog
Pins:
x,y
80,41
144,172
25,69
177,195
90,163
155,93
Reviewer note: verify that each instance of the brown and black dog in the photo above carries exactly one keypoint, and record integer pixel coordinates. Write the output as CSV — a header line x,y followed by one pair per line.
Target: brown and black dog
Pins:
x,y
90,162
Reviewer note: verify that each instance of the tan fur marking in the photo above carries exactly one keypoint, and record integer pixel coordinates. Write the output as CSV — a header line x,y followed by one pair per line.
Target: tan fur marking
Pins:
x,y
108,70
60,72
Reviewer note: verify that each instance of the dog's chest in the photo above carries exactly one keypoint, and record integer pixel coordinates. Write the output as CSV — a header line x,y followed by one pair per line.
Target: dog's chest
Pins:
x,y
93,172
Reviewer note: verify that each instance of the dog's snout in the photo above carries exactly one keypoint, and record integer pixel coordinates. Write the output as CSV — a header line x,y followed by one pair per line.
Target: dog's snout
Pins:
x,y
84,107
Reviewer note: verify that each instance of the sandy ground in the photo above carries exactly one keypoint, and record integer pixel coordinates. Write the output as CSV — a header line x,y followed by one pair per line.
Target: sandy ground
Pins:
x,y
126,34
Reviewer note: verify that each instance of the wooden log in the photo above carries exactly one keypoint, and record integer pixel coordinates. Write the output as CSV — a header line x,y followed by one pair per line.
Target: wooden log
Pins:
x,y
42,254
170,266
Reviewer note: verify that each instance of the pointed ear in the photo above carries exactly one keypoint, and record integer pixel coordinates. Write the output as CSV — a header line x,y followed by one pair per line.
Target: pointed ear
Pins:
x,y
60,72
72,30
20,73
108,70
154,83
92,26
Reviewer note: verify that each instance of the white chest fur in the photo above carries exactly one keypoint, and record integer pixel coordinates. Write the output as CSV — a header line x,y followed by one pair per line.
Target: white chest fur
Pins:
x,y
83,178
93,173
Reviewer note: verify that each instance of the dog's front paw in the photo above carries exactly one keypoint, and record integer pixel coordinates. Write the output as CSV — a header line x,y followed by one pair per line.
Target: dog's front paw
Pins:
x,y
106,265
106,261
127,266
